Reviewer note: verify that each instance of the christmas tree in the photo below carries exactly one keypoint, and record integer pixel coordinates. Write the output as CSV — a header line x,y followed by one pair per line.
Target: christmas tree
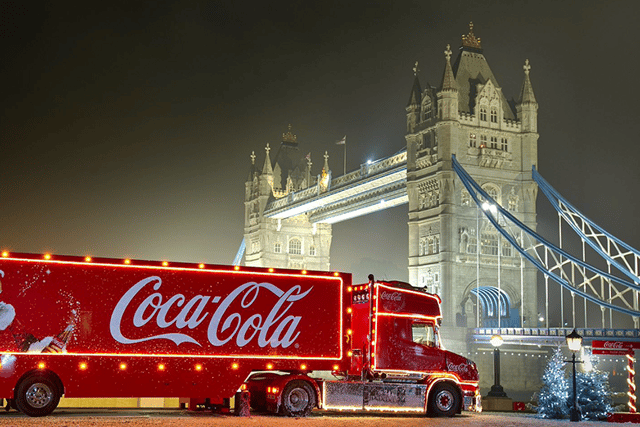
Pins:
x,y
594,394
552,398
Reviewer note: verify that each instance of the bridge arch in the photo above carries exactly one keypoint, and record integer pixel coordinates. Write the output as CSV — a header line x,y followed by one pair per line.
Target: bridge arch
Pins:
x,y
492,301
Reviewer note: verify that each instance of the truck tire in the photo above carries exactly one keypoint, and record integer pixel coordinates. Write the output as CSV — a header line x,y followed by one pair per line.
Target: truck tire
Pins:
x,y
444,401
37,396
298,399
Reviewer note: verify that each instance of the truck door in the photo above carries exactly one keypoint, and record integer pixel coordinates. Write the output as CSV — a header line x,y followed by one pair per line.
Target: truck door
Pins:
x,y
425,348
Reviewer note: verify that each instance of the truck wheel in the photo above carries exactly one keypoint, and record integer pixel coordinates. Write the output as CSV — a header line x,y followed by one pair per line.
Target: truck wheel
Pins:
x,y
298,399
37,396
443,401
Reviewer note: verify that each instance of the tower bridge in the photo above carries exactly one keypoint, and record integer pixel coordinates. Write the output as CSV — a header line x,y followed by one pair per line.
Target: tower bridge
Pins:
x,y
468,175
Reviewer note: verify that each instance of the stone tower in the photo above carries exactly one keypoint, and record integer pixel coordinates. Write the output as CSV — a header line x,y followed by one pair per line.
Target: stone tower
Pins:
x,y
283,243
453,249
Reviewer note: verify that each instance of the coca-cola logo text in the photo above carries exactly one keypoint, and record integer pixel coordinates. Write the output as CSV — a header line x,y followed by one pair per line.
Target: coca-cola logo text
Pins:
x,y
613,344
391,296
276,329
461,368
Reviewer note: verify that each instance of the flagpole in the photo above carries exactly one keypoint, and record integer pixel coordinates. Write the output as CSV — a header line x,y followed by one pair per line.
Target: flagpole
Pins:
x,y
345,156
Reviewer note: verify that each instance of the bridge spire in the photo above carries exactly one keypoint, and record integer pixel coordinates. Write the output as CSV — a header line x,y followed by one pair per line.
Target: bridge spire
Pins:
x,y
527,106
267,169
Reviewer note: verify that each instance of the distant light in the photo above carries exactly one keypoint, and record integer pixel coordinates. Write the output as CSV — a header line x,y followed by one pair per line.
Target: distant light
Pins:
x,y
165,263
198,367
47,256
200,265
271,270
496,340
5,254
41,365
369,162
269,365
303,367
87,259
161,367
123,366
235,366
83,366
127,261
236,268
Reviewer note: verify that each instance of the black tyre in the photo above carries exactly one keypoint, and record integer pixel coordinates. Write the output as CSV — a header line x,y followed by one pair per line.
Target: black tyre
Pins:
x,y
37,396
298,399
444,401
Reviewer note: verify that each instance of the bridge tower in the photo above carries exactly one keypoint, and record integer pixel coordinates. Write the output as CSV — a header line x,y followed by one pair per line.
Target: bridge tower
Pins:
x,y
453,251
283,243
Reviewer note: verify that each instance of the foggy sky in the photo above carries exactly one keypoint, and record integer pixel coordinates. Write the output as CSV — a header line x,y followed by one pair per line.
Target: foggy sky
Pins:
x,y
127,130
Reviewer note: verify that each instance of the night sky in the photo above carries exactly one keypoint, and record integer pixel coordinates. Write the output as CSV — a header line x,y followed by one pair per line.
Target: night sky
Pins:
x,y
127,130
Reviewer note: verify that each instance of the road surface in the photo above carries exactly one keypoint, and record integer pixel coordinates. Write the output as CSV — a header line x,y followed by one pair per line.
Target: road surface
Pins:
x,y
182,418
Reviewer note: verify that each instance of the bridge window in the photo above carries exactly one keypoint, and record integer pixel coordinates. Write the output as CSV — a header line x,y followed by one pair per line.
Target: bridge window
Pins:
x,y
277,247
506,248
433,245
422,250
489,244
483,114
312,250
295,247
494,115
494,142
465,198
483,141
427,111
504,144
472,140
472,245
492,191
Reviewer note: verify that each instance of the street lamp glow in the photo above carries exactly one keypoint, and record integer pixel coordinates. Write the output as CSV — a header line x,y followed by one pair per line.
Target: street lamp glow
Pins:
x,y
496,340
574,341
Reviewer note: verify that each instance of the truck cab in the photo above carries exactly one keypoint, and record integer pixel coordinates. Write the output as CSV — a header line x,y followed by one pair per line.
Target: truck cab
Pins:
x,y
398,362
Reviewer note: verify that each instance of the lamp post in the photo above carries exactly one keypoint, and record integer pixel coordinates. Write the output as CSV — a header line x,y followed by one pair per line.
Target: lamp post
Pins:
x,y
496,388
574,342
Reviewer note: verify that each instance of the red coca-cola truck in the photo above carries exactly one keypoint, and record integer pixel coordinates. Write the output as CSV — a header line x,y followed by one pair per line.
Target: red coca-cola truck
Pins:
x,y
83,327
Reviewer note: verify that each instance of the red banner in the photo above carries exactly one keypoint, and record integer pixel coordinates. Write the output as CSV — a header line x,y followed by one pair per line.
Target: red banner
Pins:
x,y
616,348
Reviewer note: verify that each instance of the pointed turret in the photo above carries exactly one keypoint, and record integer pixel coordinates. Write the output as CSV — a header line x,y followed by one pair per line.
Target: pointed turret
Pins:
x,y
526,94
448,79
448,95
416,92
253,170
415,99
527,106
267,169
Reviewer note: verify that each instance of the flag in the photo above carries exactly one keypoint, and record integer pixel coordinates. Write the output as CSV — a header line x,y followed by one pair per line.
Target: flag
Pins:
x,y
343,141
308,156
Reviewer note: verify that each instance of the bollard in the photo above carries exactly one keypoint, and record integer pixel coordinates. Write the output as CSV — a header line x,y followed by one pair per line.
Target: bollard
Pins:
x,y
243,403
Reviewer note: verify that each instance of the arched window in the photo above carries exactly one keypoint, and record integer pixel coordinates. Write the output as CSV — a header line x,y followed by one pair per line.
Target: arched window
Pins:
x,y
494,115
493,191
277,247
483,114
472,140
295,246
312,250
489,243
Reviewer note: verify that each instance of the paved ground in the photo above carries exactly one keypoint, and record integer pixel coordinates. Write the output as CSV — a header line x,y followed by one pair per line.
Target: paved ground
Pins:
x,y
181,418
